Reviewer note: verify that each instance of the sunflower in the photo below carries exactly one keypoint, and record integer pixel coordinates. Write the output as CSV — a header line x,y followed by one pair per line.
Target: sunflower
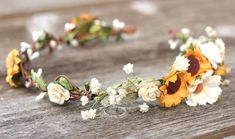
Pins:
x,y
87,17
174,89
198,65
13,68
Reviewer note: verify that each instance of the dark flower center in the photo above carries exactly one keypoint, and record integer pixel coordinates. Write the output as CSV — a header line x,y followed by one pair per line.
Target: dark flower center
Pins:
x,y
193,65
173,86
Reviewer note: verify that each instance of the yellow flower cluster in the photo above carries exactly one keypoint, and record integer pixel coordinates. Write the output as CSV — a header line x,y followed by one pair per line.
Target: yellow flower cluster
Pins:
x,y
12,64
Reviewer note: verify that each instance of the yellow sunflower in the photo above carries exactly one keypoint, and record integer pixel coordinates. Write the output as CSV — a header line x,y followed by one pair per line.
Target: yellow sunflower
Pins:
x,y
198,65
174,89
12,64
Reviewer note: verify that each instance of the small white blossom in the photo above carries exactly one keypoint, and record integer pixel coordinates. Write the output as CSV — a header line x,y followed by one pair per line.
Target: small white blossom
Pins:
x,y
202,39
210,32
40,96
84,100
39,73
117,24
69,26
144,108
181,63
128,68
28,83
95,86
105,102
32,55
122,93
37,34
111,91
185,31
115,99
74,43
221,46
173,44
226,82
88,114
24,46
53,43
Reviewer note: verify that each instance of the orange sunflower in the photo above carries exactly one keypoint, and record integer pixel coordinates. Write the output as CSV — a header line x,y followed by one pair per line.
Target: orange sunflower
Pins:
x,y
87,17
12,64
198,64
174,89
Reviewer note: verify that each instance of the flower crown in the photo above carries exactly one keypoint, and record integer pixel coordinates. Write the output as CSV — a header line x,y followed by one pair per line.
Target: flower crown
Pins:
x,y
195,75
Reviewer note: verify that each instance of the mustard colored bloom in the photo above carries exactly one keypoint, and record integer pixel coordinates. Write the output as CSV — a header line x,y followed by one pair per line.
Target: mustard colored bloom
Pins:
x,y
12,64
198,65
87,17
221,70
174,89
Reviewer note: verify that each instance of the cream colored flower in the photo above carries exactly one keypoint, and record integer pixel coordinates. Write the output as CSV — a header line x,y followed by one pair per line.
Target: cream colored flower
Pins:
x,y
149,91
144,108
205,90
57,93
181,63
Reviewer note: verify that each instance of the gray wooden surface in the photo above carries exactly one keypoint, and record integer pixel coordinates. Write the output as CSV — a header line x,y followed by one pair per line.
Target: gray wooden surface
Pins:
x,y
22,117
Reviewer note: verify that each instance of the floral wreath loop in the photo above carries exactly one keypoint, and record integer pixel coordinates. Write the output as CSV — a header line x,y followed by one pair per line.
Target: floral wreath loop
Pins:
x,y
195,75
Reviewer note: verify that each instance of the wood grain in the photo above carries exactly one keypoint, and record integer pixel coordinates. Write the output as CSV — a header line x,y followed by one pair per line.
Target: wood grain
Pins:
x,y
22,117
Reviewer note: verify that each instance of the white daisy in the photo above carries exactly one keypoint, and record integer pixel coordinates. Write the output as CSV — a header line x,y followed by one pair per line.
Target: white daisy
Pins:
x,y
128,68
84,100
205,90
211,51
143,108
95,86
181,63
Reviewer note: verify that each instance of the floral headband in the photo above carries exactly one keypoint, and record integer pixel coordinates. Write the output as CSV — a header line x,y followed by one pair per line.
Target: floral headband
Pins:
x,y
195,76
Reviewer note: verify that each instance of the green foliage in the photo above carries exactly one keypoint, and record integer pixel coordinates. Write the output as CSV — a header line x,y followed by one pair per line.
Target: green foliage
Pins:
x,y
39,81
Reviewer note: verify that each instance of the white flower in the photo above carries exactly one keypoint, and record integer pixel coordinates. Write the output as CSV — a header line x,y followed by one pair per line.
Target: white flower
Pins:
x,y
205,90
211,51
88,114
115,99
111,91
28,83
202,39
185,31
117,24
24,46
84,100
226,82
144,108
187,44
181,63
53,43
128,68
32,55
39,73
40,96
69,26
37,34
173,43
57,93
74,43
149,91
122,93
95,86
210,32
105,102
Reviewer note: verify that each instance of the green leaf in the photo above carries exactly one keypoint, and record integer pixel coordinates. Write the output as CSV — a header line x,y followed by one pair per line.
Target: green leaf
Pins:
x,y
39,81
95,28
65,83
87,86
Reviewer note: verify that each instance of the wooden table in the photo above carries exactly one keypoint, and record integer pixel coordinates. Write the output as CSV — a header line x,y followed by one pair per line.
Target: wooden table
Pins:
x,y
22,117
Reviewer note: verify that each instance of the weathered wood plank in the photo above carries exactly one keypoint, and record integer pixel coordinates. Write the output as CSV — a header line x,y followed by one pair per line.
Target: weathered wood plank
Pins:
x,y
22,117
